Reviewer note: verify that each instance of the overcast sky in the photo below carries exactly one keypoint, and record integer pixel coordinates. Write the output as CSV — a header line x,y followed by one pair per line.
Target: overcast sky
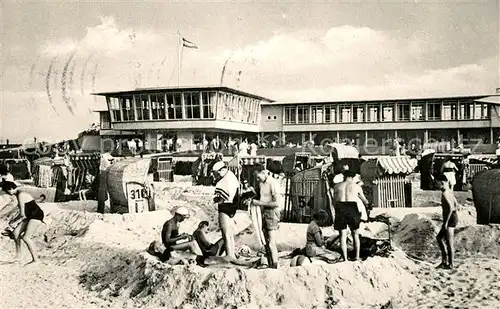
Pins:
x,y
286,51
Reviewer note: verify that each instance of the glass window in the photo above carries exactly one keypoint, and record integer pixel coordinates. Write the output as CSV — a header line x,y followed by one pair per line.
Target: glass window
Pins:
x,y
303,114
486,109
387,112
158,106
208,101
358,112
330,113
434,110
403,111
345,113
417,111
466,110
192,105
142,106
449,111
174,106
127,107
105,120
317,114
290,114
373,112
114,107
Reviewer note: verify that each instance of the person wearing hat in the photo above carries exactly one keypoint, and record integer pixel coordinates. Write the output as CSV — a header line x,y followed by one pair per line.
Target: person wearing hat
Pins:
x,y
226,193
172,240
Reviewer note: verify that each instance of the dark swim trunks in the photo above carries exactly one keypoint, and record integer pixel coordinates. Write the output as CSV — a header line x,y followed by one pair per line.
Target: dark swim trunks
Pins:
x,y
453,219
228,209
347,214
33,211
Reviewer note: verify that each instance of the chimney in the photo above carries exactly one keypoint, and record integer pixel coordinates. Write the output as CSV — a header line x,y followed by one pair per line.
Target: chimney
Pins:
x,y
7,142
498,90
34,140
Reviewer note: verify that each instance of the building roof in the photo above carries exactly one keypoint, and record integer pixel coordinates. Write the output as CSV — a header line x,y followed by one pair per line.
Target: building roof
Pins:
x,y
494,99
183,88
477,98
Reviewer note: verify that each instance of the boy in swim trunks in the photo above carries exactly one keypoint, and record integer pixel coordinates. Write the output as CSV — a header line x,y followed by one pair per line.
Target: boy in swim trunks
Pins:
x,y
346,195
450,220
270,201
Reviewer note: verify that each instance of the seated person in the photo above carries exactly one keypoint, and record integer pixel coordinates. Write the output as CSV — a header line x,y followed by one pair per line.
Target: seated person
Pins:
x,y
208,249
172,240
315,245
5,174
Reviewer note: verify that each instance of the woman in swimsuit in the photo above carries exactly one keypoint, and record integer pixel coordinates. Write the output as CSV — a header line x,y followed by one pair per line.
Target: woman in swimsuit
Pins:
x,y
31,217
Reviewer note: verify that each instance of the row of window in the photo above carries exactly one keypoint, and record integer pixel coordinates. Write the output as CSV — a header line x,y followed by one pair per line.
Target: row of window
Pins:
x,y
386,112
184,105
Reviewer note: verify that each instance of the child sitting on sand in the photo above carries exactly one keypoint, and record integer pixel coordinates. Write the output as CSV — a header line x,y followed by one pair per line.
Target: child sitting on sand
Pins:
x,y
207,248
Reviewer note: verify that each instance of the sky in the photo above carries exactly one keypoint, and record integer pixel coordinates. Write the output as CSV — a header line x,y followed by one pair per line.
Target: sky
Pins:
x,y
55,54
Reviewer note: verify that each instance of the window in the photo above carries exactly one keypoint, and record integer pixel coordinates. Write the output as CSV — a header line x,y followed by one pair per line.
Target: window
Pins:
x,y
114,108
485,109
387,112
142,107
449,111
208,101
174,106
373,111
127,107
105,121
403,111
434,110
466,110
275,117
256,111
290,114
192,105
317,114
330,113
303,114
345,113
158,106
417,111
358,112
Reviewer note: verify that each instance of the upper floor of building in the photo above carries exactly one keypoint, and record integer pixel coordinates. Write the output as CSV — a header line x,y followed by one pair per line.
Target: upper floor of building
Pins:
x,y
234,110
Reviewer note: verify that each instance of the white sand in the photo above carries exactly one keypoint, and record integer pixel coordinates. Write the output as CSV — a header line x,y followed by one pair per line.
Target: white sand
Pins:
x,y
94,260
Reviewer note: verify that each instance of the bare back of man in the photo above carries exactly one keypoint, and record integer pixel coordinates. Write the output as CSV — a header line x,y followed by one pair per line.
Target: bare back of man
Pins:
x,y
346,195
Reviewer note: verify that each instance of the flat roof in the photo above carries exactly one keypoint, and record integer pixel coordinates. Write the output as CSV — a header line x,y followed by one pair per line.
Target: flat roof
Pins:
x,y
473,97
183,88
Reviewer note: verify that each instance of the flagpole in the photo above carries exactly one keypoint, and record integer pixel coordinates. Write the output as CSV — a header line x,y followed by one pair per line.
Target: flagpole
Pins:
x,y
179,46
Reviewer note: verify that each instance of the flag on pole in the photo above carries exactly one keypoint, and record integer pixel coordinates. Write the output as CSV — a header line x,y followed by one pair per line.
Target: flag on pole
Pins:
x,y
188,44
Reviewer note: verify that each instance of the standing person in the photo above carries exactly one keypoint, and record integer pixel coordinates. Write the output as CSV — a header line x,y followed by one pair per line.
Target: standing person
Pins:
x,y
346,195
243,148
270,201
449,170
30,217
106,161
207,248
226,190
445,236
253,149
172,240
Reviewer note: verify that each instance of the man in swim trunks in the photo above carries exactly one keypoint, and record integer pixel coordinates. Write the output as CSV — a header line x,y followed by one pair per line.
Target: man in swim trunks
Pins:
x,y
270,201
226,192
345,195
449,169
207,248
450,220
172,240
30,217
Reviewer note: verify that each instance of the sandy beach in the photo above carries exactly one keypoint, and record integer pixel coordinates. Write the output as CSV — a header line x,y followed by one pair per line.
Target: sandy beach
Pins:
x,y
94,261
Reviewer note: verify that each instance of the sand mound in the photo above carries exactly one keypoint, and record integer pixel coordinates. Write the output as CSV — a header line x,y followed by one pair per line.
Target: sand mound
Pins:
x,y
155,284
416,235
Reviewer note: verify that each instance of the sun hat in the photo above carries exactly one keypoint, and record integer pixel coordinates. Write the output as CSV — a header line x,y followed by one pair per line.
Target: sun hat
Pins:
x,y
218,166
183,211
